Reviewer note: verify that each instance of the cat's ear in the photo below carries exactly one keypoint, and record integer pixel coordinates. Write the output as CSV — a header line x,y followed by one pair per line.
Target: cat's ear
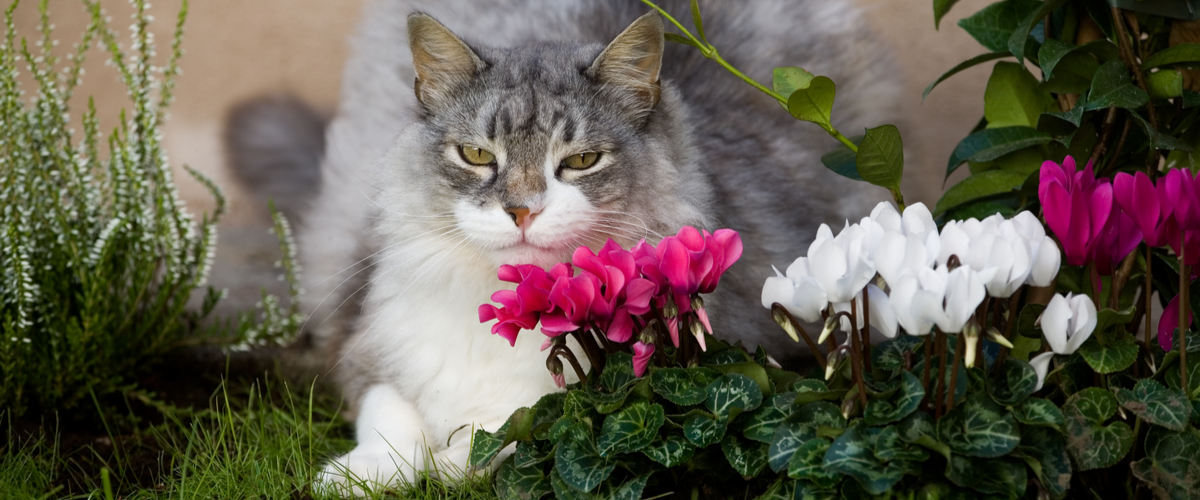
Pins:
x,y
633,60
442,60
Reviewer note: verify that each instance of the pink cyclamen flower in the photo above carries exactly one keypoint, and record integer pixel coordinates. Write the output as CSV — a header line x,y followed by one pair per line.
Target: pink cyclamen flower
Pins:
x,y
1075,205
1147,205
521,308
1120,236
1169,322
1181,193
571,301
622,290
641,357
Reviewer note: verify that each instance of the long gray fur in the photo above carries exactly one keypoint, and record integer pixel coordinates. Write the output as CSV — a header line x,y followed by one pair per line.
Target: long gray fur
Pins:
x,y
739,158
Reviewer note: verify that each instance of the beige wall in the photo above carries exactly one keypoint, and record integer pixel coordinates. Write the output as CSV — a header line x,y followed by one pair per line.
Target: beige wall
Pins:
x,y
238,49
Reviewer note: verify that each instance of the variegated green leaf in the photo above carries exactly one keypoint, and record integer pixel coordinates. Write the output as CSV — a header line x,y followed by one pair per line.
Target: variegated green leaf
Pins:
x,y
852,454
979,428
1109,355
1037,411
1045,451
684,387
580,466
761,424
630,429
673,449
1016,381
1170,468
1157,404
703,429
789,435
521,483
905,401
1092,444
808,463
618,371
732,394
747,457
809,390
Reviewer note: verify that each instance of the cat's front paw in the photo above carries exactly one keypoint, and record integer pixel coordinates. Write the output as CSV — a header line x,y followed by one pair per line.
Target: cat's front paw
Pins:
x,y
361,472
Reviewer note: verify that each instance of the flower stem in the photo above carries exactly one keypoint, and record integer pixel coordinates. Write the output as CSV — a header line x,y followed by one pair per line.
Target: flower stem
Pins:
x,y
866,331
958,355
589,347
1013,317
856,355
940,395
1185,310
561,350
1146,288
928,341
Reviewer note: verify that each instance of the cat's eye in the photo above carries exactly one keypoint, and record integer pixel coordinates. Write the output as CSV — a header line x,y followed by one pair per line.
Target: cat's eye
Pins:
x,y
581,161
476,156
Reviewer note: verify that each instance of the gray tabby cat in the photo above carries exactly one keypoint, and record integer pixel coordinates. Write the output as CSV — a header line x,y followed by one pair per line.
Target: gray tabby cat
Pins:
x,y
550,124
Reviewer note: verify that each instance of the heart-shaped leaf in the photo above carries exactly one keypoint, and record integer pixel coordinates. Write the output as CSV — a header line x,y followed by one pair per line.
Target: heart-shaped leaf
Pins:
x,y
733,393
1092,444
788,436
618,371
1170,468
905,401
787,80
485,445
1016,381
815,103
747,457
843,161
1111,353
703,429
1037,411
889,354
517,483
1012,97
530,453
631,429
672,450
808,463
761,424
853,454
810,390
1044,450
979,428
580,466
1157,404
683,386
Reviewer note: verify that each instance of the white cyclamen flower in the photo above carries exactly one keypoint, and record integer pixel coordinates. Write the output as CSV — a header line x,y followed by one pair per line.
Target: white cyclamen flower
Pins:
x,y
964,292
899,254
883,317
798,292
1068,322
842,265
917,298
1044,251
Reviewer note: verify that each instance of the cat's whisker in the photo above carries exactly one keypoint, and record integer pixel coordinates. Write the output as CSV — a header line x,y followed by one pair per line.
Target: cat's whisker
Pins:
x,y
370,278
427,266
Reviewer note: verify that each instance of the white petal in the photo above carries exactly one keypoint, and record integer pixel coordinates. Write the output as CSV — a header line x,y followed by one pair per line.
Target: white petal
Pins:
x,y
809,301
1029,225
1083,321
828,265
1055,320
886,215
954,241
927,311
1041,365
889,256
778,289
964,292
917,219
1045,264
799,269
882,316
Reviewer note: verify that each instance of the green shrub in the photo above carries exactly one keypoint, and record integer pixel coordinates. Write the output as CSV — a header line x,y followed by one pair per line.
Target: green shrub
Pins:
x,y
99,255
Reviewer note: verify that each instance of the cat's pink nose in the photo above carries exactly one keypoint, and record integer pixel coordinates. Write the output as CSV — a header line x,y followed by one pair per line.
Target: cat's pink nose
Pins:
x,y
521,216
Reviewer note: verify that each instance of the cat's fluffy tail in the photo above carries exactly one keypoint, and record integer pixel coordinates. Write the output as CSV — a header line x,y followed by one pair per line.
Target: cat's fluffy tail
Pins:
x,y
274,145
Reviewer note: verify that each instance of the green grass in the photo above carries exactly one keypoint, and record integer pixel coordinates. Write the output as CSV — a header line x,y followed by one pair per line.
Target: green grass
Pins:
x,y
261,438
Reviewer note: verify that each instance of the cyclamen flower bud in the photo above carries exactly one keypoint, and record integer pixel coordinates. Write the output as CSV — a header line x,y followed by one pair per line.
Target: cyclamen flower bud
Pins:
x,y
971,331
830,325
995,336
698,332
785,323
670,310
850,408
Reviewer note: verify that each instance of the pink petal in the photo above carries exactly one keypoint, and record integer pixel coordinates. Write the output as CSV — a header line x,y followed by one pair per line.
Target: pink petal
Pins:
x,y
1137,196
691,238
546,343
487,312
673,330
1056,208
675,264
1100,202
508,331
509,273
638,294
641,357
703,315
621,328
1169,322
560,380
